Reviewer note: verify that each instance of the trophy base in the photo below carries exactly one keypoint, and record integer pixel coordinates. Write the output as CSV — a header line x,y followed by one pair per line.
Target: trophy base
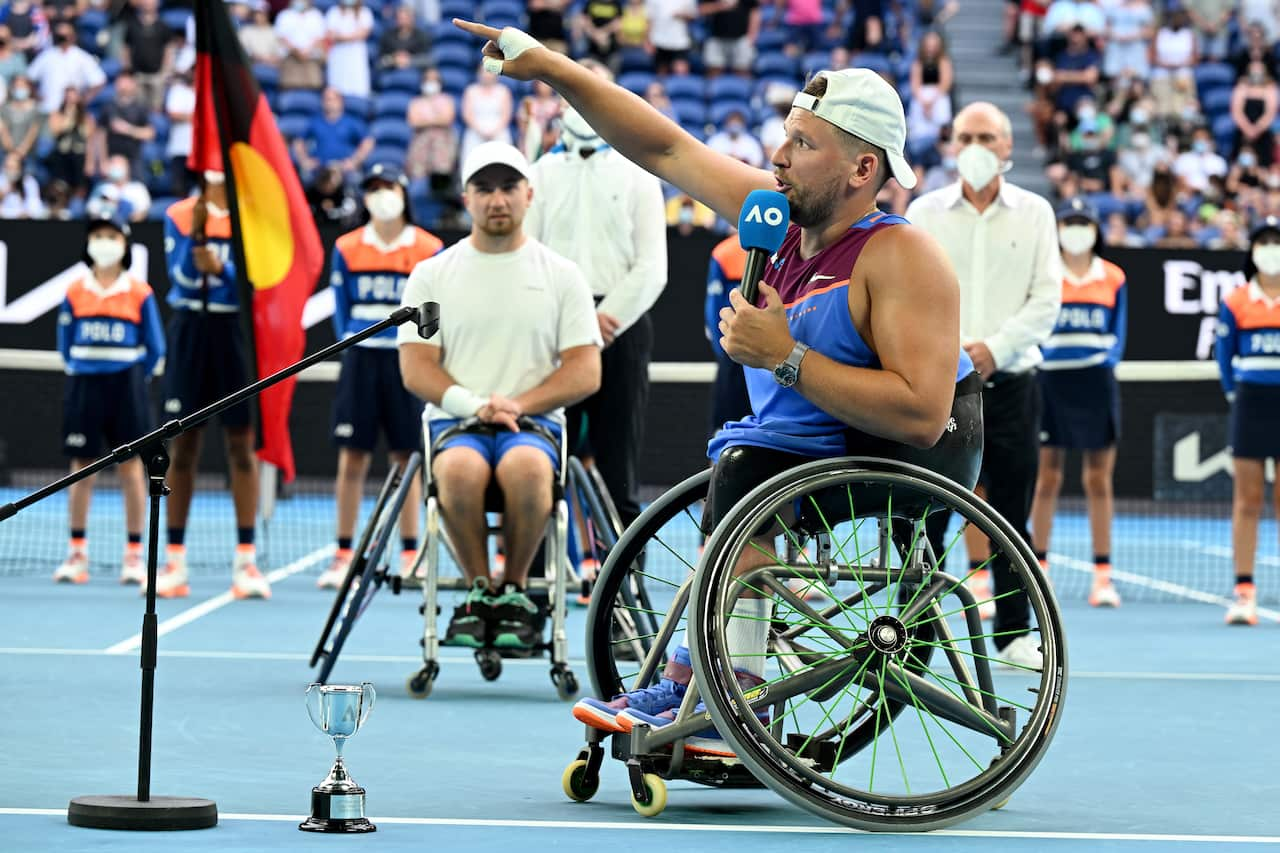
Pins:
x,y
156,814
334,812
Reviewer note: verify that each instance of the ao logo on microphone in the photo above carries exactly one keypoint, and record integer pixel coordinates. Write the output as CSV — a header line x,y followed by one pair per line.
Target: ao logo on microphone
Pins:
x,y
771,216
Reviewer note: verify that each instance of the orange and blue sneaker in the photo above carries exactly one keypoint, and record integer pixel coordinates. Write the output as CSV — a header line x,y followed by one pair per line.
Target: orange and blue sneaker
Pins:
x,y
655,699
706,742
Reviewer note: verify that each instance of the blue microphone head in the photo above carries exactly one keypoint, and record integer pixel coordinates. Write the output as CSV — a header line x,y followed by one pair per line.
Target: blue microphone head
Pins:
x,y
763,221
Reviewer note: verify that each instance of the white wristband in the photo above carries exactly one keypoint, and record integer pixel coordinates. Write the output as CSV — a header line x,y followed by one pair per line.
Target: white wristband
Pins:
x,y
461,402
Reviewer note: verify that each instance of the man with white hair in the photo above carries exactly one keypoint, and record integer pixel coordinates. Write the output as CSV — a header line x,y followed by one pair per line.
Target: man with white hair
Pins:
x,y
1003,242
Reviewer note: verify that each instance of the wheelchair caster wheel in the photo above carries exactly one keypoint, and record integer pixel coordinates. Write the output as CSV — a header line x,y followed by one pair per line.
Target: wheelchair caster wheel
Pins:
x,y
578,782
656,789
420,683
565,681
490,663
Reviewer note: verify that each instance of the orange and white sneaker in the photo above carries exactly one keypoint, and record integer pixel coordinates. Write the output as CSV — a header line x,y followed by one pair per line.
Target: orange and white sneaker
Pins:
x,y
1244,610
588,570
332,577
132,569
173,581
1104,592
246,580
407,560
74,569
979,584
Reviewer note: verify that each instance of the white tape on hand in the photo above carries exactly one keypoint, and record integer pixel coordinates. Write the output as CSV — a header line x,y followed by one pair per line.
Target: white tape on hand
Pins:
x,y
461,402
512,42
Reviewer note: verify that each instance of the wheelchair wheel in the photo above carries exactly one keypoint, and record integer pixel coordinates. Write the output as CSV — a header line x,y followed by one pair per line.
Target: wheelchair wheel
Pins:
x,y
602,522
369,569
965,736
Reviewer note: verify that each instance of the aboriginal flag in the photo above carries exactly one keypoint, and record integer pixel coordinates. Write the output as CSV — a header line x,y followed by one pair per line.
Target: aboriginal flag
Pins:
x,y
274,236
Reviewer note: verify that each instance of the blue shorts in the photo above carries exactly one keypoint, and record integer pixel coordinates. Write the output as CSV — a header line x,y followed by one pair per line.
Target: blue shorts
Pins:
x,y
1081,408
207,359
98,406
1254,414
371,397
493,446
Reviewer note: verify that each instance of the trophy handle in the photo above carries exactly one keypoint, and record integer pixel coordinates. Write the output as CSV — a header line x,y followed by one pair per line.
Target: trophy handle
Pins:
x,y
313,705
367,697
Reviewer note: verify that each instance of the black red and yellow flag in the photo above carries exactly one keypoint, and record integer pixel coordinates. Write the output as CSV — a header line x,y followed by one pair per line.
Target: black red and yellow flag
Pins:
x,y
274,235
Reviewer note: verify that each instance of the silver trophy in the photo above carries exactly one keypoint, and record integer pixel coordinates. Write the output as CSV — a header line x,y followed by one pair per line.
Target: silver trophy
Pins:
x,y
337,803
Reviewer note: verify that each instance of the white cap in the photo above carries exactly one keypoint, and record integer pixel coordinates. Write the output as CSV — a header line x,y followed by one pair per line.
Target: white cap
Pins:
x,y
494,154
859,101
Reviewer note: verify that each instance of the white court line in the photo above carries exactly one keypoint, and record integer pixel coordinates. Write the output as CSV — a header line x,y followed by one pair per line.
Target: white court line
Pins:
x,y
204,608
1226,553
1158,585
633,826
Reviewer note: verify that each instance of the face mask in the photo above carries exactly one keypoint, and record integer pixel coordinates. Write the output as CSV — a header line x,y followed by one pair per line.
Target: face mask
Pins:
x,y
686,215
1267,258
105,251
431,87
1077,239
734,128
349,3
384,204
1137,115
1248,161
1273,181
978,166
1044,75
116,174
1200,146
61,39
1087,111
20,94
212,177
576,135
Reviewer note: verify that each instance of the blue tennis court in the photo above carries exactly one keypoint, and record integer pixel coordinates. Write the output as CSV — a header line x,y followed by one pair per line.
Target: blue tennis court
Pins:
x,y
1167,740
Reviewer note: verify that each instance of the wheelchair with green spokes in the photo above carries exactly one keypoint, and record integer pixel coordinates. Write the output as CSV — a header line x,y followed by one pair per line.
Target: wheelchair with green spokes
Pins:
x,y
883,704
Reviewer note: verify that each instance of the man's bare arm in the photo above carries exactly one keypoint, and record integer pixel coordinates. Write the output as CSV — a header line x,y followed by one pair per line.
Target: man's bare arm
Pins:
x,y
577,378
423,373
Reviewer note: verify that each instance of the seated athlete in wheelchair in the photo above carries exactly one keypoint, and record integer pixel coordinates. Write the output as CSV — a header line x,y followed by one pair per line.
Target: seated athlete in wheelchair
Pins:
x,y
518,338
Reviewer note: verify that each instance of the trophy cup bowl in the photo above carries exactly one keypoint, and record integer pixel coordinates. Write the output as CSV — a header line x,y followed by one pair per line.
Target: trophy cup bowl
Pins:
x,y
337,803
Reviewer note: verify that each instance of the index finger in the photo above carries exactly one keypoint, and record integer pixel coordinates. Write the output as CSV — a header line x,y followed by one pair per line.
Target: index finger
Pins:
x,y
482,30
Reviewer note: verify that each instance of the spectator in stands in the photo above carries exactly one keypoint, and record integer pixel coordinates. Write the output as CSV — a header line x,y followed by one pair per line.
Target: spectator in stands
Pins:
x,y
1063,16
536,120
180,106
333,138
1162,198
1256,48
302,31
1087,114
57,200
1076,70
1131,106
934,14
599,24
20,120
128,198
405,45
867,30
805,24
148,50
126,121
735,140
1194,166
686,214
1177,234
1117,232
732,28
1266,13
1137,162
13,62
778,97
656,94
669,31
28,26
433,151
1130,28
939,169
73,131
931,82
1253,108
19,191
633,34
259,38
1245,174
330,201
1174,56
729,399
546,23
1211,18
348,26
1231,236
486,111
62,66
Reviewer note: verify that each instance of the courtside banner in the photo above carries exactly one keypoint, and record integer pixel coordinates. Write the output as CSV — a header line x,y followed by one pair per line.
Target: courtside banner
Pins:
x,y
275,237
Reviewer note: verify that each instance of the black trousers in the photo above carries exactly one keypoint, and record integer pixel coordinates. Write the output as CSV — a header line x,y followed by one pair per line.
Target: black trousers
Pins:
x,y
615,416
729,399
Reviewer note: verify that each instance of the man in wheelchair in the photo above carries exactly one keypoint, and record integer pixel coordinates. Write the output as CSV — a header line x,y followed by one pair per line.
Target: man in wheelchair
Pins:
x,y
518,338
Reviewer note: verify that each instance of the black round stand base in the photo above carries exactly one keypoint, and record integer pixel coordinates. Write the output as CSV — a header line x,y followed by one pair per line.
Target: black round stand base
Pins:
x,y
157,814
350,824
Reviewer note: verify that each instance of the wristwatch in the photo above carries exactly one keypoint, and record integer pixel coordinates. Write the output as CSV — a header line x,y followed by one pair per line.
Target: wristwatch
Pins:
x,y
787,373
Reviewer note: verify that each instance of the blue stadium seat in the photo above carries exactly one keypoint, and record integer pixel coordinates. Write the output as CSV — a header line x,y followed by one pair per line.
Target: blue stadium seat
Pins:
x,y
445,31
720,111
452,54
875,61
391,131
684,86
92,20
391,105
1214,74
815,61
728,87
1106,204
771,40
299,101
175,19
689,111
400,80
159,204
636,81
293,126
100,100
268,77
160,122
455,80
1224,132
457,9
777,64
697,131
110,67
393,154
634,59
501,8
1215,102
356,106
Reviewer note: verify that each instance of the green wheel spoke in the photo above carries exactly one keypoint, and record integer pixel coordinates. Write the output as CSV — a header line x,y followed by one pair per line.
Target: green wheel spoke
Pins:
x,y
1001,737
917,623
977,656
907,685
866,620
893,732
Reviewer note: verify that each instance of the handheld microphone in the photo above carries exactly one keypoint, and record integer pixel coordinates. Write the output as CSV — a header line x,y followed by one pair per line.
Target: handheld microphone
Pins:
x,y
761,226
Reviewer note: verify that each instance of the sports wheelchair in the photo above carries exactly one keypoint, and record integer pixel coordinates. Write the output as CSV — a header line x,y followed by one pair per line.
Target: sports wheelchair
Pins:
x,y
880,707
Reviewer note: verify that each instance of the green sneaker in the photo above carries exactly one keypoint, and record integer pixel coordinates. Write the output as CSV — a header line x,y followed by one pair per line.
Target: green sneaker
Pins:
x,y
515,620
470,623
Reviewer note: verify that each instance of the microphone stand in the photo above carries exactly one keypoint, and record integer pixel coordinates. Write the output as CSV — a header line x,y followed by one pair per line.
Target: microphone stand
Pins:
x,y
145,812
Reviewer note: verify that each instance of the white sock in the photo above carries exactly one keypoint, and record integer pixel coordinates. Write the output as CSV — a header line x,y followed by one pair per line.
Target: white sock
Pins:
x,y
747,634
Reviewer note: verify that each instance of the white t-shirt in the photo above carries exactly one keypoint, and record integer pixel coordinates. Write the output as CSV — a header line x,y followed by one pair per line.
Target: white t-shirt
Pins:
x,y
665,29
180,99
56,70
504,319
349,60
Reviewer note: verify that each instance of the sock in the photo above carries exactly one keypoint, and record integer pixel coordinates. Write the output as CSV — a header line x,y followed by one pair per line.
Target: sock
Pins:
x,y
1042,557
176,554
246,554
135,539
79,544
77,533
177,537
409,543
1244,580
978,566
747,634
344,543
1102,566
133,547
679,668
244,535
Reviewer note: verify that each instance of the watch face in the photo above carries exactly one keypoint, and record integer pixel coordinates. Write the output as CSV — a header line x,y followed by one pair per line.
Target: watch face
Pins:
x,y
785,375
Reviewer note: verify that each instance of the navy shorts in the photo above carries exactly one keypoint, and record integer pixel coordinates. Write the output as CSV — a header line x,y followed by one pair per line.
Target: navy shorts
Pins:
x,y
104,406
371,397
1081,408
1254,415
493,445
207,359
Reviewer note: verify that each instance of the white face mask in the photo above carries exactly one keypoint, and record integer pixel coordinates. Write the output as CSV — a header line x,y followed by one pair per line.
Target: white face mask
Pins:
x,y
1267,258
212,177
1077,239
105,251
977,165
384,204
